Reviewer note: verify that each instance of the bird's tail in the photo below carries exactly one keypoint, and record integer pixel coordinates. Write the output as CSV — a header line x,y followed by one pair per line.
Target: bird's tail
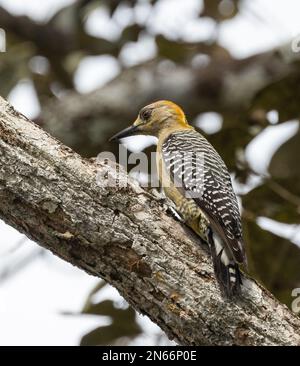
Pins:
x,y
226,269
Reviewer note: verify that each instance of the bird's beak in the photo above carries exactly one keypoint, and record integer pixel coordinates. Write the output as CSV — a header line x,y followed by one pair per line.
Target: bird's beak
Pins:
x,y
129,131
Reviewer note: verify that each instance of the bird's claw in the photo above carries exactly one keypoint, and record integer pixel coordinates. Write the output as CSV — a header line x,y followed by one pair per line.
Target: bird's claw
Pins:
x,y
167,205
172,211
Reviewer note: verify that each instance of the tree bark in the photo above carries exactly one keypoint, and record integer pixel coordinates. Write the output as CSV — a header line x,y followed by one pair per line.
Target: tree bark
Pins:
x,y
124,236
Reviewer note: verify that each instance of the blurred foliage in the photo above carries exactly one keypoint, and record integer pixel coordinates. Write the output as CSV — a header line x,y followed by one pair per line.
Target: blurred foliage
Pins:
x,y
278,255
123,327
48,54
220,9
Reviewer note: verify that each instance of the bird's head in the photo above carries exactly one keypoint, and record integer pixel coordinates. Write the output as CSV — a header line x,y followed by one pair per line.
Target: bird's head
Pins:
x,y
154,118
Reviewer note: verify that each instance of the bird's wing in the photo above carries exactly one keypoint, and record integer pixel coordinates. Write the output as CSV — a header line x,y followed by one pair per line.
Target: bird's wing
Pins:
x,y
199,173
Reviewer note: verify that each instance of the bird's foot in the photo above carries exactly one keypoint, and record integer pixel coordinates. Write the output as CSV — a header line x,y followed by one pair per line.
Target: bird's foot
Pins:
x,y
156,195
167,205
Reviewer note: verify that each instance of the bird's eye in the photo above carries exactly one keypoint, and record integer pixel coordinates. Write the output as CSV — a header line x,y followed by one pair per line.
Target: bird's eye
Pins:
x,y
145,114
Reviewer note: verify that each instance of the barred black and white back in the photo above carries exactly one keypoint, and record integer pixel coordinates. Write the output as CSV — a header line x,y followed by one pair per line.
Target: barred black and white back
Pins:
x,y
200,174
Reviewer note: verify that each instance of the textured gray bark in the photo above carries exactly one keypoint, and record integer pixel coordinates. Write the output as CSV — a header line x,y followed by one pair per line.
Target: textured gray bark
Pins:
x,y
124,236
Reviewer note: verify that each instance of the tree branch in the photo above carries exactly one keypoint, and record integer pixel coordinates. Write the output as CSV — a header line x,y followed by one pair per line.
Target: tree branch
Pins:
x,y
50,193
225,85
43,36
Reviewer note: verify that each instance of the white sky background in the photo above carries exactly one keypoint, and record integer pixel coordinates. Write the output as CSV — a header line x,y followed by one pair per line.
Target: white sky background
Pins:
x,y
32,300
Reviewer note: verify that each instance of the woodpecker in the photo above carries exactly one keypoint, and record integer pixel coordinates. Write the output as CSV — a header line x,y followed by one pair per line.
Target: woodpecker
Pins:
x,y
196,179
